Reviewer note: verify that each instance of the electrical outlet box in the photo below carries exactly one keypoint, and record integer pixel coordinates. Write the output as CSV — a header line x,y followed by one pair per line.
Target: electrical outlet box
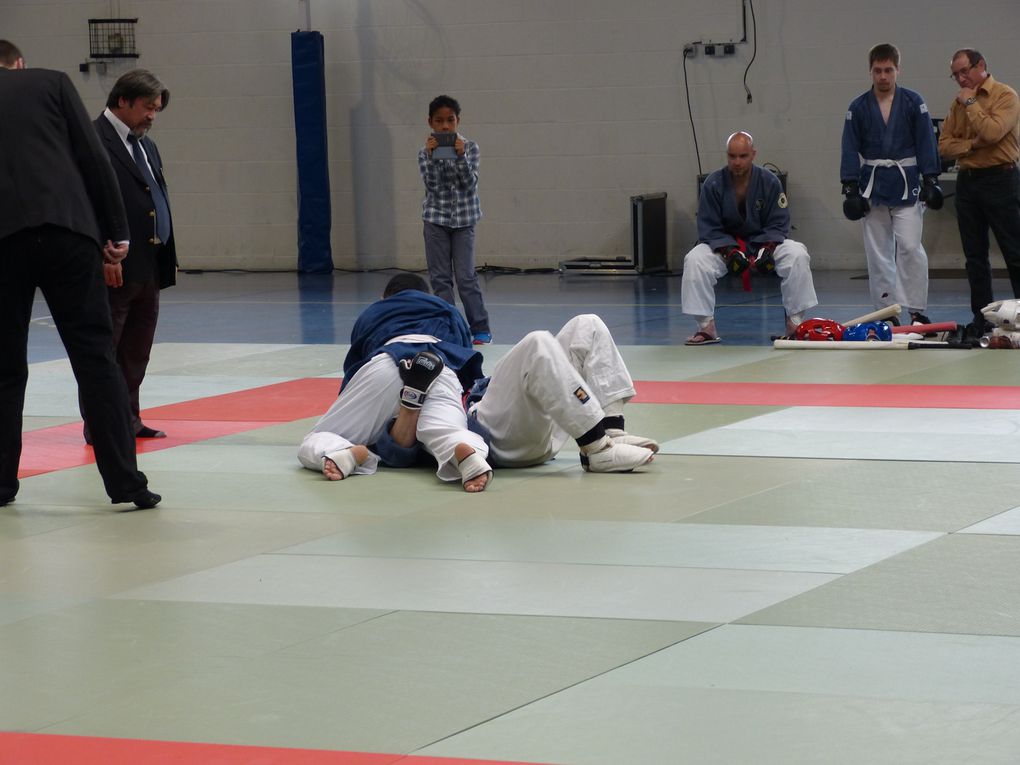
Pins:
x,y
709,50
729,49
690,50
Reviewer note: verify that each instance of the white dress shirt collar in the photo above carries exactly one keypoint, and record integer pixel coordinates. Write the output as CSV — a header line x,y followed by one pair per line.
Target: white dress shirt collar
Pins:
x,y
122,130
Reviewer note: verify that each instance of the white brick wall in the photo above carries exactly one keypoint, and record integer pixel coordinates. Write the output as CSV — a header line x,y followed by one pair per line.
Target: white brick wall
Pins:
x,y
577,105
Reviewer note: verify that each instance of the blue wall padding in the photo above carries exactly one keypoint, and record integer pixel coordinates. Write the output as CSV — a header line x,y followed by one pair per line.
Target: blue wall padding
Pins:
x,y
314,217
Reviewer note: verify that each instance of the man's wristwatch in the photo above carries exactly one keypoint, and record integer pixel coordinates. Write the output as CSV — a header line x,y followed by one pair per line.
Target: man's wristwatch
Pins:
x,y
969,101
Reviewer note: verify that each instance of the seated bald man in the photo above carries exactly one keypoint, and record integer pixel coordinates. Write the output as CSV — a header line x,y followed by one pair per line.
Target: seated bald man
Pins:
x,y
743,223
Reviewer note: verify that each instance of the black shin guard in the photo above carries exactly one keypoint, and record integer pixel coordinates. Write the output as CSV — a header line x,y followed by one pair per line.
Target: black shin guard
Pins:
x,y
593,435
613,423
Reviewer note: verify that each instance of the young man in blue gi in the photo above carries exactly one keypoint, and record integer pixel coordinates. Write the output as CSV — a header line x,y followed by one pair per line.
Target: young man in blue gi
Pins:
x,y
889,170
743,220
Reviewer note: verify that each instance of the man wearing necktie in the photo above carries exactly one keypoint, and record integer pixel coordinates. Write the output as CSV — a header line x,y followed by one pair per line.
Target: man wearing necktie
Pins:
x,y
151,264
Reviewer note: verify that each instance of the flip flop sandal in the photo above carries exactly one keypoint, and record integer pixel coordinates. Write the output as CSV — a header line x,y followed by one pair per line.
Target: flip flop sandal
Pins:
x,y
702,338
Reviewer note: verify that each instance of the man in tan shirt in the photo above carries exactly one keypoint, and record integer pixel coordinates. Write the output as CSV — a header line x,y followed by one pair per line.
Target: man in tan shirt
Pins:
x,y
981,133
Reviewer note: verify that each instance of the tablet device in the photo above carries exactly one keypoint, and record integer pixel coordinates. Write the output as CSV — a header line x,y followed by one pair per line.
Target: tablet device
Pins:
x,y
445,149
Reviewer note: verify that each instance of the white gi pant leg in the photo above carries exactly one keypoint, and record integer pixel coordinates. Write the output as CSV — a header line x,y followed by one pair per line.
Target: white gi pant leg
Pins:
x,y
702,269
793,266
442,425
590,347
536,400
897,262
367,404
359,415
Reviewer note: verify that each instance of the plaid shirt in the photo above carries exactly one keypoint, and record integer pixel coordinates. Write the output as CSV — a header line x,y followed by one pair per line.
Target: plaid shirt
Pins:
x,y
451,188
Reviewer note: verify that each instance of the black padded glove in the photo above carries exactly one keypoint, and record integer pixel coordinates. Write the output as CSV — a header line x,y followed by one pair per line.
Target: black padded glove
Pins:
x,y
419,374
855,206
931,192
735,259
765,260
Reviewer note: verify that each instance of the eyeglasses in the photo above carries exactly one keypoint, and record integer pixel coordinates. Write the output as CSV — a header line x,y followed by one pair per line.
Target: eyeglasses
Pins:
x,y
960,73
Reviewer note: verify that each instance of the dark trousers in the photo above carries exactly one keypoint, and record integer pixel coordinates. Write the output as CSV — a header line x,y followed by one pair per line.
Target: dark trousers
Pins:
x,y
989,199
449,254
67,268
134,309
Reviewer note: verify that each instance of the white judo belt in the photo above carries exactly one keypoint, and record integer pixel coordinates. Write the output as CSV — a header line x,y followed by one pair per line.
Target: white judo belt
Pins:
x,y
900,163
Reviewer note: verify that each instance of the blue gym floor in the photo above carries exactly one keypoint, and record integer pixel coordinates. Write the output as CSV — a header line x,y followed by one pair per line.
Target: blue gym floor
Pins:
x,y
641,310
783,584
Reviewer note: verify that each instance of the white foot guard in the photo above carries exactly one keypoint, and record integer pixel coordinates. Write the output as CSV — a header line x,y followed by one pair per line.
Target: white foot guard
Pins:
x,y
618,436
345,462
614,457
473,466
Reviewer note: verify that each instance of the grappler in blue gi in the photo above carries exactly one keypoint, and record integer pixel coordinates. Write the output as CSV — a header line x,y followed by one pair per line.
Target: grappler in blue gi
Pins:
x,y
889,151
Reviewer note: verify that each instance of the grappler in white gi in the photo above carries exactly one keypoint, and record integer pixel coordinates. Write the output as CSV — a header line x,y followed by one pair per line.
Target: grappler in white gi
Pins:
x,y
889,151
545,390
742,222
548,389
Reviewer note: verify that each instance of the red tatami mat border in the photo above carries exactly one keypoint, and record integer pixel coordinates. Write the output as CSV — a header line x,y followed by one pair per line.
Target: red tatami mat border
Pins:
x,y
44,749
61,447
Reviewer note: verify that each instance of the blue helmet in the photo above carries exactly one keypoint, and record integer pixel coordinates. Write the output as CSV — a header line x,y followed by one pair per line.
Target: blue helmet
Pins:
x,y
871,330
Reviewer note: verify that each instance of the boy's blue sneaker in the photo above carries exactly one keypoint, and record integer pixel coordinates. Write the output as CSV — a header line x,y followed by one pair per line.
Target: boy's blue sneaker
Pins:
x,y
481,338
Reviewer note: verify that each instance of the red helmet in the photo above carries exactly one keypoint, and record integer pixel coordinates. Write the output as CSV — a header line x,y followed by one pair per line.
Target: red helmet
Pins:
x,y
819,329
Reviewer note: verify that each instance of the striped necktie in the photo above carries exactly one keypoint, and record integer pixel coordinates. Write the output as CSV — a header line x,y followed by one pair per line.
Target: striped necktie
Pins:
x,y
159,201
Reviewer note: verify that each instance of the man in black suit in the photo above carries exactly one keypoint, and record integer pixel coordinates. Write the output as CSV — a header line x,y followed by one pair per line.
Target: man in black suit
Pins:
x,y
152,260
61,216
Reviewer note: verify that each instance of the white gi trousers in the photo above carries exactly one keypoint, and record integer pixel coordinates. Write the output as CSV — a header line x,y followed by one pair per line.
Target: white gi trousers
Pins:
x,y
367,404
703,268
897,262
548,389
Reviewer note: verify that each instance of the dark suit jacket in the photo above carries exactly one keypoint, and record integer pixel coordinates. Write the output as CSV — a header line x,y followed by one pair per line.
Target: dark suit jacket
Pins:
x,y
144,257
53,169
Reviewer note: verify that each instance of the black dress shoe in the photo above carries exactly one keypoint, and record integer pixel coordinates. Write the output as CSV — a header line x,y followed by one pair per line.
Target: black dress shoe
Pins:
x,y
977,329
146,499
147,432
4,501
143,499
